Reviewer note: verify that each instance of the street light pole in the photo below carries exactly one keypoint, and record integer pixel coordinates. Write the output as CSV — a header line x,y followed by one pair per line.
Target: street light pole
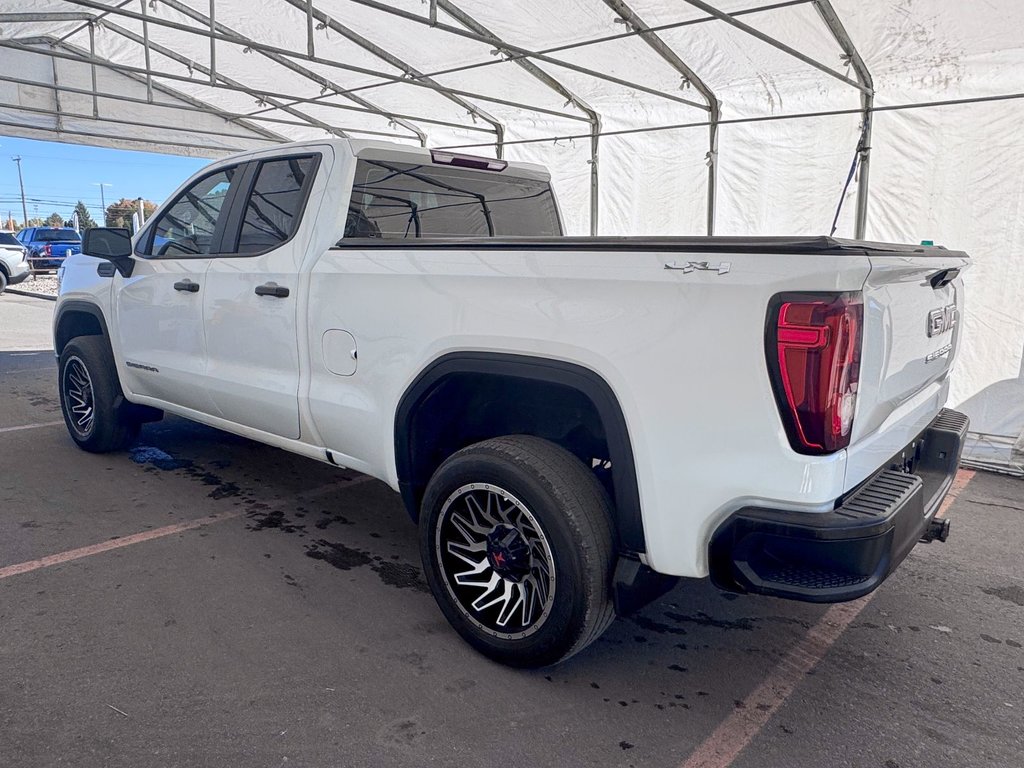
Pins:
x,y
21,183
103,200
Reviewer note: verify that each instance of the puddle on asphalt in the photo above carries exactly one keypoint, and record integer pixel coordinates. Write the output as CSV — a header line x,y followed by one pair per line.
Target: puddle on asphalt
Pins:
x,y
394,574
144,454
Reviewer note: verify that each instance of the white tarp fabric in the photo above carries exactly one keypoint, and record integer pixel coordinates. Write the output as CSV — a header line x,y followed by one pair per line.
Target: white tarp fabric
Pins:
x,y
950,174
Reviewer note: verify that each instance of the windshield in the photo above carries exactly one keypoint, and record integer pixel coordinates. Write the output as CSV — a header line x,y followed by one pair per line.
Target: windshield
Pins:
x,y
56,236
6,238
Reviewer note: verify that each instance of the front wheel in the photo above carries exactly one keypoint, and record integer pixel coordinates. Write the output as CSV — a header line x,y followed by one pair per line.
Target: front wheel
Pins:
x,y
91,397
517,545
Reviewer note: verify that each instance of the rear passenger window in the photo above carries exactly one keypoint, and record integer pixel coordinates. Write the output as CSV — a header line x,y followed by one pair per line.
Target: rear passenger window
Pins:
x,y
275,205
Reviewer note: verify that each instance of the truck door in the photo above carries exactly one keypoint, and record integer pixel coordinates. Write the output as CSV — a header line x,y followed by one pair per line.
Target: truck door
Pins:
x,y
252,296
159,309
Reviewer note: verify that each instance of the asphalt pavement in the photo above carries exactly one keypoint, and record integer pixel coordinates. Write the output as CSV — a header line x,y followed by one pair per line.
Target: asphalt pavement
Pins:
x,y
215,602
25,323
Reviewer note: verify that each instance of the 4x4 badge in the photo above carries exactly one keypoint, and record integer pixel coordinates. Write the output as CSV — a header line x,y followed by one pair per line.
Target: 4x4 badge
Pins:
x,y
721,268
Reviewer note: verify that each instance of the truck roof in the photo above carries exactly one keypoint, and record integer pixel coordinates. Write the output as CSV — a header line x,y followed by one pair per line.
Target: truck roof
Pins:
x,y
357,147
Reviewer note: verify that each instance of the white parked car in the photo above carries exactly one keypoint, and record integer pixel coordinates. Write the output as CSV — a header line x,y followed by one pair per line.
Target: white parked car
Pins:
x,y
13,262
572,421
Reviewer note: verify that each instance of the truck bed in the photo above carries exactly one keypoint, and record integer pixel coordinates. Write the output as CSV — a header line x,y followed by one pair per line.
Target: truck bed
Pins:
x,y
804,244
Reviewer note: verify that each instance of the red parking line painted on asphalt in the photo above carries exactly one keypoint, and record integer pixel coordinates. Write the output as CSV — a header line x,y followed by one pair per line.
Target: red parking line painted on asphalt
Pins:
x,y
963,477
156,533
106,546
735,733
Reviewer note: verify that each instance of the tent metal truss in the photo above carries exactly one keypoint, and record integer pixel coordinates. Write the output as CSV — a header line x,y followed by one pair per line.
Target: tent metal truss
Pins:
x,y
633,21
538,64
550,82
367,45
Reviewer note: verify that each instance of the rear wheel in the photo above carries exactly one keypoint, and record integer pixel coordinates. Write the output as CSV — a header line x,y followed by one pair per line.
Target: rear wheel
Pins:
x,y
3,281
91,397
517,545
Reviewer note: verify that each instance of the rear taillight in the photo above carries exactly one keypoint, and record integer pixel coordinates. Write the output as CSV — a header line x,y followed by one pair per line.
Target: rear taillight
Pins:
x,y
813,346
48,250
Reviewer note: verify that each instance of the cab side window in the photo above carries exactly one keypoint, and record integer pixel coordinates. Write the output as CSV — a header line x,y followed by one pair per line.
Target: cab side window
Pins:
x,y
187,228
274,208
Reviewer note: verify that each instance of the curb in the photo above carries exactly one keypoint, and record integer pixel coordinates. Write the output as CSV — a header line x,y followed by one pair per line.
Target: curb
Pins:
x,y
18,292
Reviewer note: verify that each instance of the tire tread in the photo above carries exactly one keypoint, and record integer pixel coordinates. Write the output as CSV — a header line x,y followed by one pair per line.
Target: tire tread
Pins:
x,y
587,510
111,430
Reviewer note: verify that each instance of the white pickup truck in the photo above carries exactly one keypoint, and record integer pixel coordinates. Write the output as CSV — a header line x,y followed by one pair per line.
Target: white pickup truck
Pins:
x,y
572,421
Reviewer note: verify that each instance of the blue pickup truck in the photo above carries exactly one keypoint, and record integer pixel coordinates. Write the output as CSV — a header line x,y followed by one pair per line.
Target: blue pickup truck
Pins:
x,y
49,246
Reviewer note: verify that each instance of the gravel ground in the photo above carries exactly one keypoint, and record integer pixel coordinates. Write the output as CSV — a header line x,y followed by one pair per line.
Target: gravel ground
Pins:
x,y
40,284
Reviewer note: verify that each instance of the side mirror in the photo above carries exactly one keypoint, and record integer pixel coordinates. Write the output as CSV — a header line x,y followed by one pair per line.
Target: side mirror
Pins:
x,y
111,243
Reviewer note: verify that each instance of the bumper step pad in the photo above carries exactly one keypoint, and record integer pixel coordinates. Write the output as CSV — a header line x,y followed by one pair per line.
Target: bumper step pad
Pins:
x,y
846,553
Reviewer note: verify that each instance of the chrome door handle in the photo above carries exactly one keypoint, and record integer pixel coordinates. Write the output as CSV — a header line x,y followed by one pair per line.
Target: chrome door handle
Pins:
x,y
186,285
272,289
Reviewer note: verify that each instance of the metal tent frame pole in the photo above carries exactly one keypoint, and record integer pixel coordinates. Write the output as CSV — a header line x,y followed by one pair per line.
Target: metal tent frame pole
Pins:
x,y
257,46
320,80
213,42
237,118
58,112
589,42
867,101
469,29
515,49
191,145
858,111
63,114
234,84
71,52
310,41
147,72
145,50
222,84
93,18
864,84
398,63
571,98
660,47
701,5
232,117
92,69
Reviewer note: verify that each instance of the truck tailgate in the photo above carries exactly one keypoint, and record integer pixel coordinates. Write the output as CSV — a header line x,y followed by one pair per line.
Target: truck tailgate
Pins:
x,y
912,306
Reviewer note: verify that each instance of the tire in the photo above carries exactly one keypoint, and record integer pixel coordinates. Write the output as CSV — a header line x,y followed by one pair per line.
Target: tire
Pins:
x,y
3,281
492,514
91,398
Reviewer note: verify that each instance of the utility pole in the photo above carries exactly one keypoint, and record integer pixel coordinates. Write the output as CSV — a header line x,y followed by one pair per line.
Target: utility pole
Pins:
x,y
21,183
103,201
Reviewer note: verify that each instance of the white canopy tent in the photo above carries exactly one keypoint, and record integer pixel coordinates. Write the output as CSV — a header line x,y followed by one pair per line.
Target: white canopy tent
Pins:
x,y
655,116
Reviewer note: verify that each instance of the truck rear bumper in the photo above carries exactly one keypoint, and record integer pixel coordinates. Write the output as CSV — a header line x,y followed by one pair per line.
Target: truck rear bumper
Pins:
x,y
20,272
846,553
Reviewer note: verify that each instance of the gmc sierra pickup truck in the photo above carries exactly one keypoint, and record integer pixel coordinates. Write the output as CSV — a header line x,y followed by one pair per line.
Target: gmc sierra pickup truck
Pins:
x,y
572,421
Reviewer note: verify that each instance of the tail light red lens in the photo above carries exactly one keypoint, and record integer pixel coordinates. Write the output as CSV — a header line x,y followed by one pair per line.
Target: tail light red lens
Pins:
x,y
48,250
813,346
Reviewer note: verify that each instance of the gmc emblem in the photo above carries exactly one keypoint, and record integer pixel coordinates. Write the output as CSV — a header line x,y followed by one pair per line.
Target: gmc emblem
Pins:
x,y
942,320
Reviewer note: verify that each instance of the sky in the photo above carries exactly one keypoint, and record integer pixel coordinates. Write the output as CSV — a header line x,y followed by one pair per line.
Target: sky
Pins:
x,y
59,175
